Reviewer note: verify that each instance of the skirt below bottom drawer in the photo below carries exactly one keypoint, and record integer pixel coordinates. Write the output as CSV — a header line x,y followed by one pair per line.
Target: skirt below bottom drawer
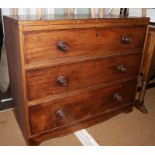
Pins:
x,y
70,110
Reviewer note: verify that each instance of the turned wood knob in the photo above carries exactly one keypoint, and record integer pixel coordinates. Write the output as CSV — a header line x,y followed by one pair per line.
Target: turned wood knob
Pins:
x,y
62,81
60,114
63,46
121,69
126,40
118,97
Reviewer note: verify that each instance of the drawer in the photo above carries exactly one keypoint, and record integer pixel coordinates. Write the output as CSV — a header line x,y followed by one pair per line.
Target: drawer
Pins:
x,y
65,78
60,44
73,109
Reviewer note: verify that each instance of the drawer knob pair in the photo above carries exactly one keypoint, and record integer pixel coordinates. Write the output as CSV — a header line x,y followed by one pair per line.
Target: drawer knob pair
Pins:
x,y
118,97
60,114
62,81
126,40
63,46
121,69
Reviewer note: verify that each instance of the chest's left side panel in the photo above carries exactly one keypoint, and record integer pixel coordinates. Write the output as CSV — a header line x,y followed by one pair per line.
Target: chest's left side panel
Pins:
x,y
15,57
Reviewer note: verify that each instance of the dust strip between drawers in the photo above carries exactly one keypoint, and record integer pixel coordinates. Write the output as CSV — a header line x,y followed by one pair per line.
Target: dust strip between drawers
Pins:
x,y
85,138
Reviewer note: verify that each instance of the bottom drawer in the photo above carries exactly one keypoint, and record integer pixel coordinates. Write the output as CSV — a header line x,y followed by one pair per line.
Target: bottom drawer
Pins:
x,y
66,111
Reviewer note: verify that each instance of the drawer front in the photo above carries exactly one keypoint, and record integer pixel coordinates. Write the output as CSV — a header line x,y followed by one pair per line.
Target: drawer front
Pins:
x,y
60,44
65,78
70,110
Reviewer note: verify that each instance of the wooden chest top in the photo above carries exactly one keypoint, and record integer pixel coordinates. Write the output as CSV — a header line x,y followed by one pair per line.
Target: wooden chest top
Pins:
x,y
77,20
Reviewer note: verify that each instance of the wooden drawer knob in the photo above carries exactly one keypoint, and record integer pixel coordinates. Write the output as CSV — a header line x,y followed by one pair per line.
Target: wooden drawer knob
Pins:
x,y
121,69
63,46
62,81
126,40
60,114
118,97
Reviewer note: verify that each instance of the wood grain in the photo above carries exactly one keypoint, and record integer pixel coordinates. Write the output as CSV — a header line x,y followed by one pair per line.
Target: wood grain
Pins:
x,y
99,57
42,46
44,116
16,73
43,82
64,130
148,67
51,22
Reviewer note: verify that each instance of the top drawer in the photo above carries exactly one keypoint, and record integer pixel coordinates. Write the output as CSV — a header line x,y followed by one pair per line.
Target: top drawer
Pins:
x,y
60,44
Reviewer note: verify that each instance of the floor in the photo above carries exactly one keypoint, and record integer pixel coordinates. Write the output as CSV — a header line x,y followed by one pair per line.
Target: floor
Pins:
x,y
130,129
5,100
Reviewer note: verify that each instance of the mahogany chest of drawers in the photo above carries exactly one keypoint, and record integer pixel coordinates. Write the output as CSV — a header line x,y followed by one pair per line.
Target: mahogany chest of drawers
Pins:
x,y
70,72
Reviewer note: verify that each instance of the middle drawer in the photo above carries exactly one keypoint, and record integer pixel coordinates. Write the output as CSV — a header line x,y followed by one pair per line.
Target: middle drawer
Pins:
x,y
65,78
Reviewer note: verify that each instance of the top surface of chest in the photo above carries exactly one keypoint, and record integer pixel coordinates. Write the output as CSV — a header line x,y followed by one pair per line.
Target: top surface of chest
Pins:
x,y
32,20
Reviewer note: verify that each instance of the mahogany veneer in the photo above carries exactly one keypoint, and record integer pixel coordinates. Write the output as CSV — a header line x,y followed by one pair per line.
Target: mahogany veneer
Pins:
x,y
81,75
38,45
70,72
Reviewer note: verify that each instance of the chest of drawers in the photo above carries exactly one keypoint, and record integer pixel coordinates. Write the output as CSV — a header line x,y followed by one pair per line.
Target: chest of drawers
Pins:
x,y
70,72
